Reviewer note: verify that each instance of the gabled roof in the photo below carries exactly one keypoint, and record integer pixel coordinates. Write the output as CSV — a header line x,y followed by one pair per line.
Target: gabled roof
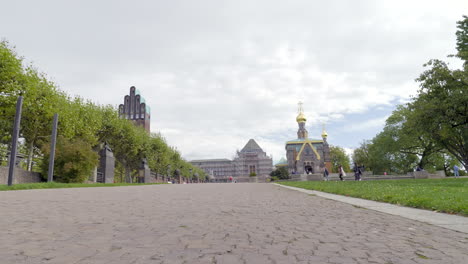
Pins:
x,y
252,146
303,140
281,162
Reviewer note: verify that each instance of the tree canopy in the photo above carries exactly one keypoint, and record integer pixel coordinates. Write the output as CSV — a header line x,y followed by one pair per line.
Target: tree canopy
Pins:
x,y
339,157
431,131
83,128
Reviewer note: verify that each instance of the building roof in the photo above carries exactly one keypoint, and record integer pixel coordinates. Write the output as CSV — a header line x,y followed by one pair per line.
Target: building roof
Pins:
x,y
252,146
303,140
209,160
283,162
142,100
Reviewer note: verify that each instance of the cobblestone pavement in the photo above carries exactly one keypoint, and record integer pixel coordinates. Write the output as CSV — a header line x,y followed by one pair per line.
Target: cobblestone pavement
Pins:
x,y
210,223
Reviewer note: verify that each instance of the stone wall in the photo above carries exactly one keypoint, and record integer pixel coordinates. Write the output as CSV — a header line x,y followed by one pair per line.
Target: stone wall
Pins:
x,y
427,175
368,176
20,176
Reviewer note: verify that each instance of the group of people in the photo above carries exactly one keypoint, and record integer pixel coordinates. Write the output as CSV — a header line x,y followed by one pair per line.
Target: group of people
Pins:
x,y
341,173
359,169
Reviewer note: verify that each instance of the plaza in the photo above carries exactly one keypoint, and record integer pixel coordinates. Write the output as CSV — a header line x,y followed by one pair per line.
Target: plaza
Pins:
x,y
211,223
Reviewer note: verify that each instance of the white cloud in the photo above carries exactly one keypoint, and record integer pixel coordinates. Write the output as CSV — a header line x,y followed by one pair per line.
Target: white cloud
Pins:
x,y
217,73
367,124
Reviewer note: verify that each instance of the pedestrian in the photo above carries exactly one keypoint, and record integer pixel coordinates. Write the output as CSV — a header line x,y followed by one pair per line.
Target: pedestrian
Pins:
x,y
455,171
341,172
325,174
356,174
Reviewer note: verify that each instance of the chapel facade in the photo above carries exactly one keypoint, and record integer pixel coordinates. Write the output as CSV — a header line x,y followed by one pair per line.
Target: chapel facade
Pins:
x,y
306,155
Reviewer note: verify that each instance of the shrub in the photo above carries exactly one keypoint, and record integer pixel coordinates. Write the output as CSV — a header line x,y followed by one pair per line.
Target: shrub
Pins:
x,y
74,160
280,173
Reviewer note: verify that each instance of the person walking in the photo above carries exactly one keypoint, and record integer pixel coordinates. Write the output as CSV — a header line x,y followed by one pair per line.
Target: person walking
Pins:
x,y
455,171
357,172
341,172
325,174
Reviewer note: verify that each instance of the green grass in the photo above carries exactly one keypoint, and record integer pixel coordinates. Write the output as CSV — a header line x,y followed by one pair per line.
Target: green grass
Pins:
x,y
56,185
442,195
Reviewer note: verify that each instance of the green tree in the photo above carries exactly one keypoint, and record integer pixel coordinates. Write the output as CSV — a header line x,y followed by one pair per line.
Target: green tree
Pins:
x,y
79,121
41,102
338,157
280,173
11,80
408,138
74,161
441,106
361,154
385,155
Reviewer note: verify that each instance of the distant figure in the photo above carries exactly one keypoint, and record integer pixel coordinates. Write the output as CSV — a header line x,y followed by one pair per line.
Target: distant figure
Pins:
x,y
357,172
355,169
325,174
455,171
230,178
341,172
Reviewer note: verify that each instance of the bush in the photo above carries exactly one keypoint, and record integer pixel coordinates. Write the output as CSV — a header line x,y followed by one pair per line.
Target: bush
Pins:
x,y
253,174
74,160
280,173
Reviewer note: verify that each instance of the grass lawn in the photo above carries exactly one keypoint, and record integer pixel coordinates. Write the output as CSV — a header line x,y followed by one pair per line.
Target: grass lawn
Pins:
x,y
442,195
56,185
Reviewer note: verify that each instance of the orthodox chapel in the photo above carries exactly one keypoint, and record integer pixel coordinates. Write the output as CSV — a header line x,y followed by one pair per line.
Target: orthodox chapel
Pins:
x,y
306,155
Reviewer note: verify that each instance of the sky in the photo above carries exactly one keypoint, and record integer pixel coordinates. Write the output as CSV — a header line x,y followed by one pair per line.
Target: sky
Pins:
x,y
217,73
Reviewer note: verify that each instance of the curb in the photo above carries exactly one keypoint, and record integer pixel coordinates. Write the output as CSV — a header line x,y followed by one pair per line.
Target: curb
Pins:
x,y
452,222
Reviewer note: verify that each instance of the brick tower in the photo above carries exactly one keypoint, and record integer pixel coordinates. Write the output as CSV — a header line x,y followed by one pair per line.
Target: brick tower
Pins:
x,y
135,108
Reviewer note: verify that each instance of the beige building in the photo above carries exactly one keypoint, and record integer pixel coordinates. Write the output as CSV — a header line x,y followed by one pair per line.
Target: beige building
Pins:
x,y
250,164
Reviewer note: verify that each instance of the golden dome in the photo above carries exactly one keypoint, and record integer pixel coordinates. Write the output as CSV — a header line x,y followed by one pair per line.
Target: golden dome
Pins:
x,y
324,134
301,118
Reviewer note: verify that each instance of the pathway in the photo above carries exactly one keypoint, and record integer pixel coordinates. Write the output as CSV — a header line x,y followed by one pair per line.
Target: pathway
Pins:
x,y
211,223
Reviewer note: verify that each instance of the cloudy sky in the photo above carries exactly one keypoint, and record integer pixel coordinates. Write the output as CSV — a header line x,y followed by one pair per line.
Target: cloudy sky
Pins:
x,y
217,73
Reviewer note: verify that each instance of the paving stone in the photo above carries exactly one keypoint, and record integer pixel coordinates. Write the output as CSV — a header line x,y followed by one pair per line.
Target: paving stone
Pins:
x,y
210,223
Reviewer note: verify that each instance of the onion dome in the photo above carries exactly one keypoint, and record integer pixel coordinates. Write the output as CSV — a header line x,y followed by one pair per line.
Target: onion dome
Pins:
x,y
324,133
301,118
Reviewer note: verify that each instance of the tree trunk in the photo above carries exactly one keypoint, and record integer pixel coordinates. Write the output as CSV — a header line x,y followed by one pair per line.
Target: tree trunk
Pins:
x,y
128,176
30,156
